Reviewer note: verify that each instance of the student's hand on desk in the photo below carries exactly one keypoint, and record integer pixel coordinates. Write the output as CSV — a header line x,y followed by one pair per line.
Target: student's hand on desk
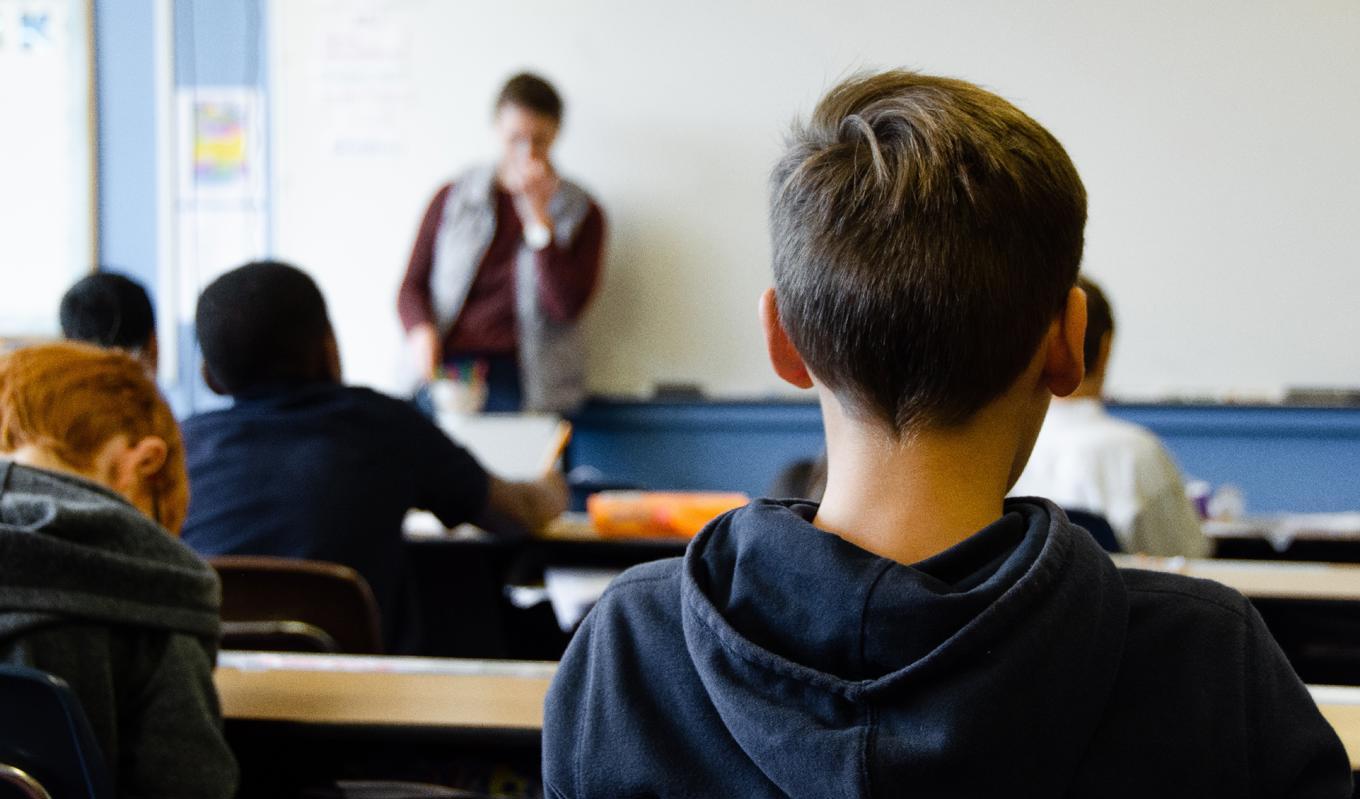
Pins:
x,y
425,341
551,500
526,506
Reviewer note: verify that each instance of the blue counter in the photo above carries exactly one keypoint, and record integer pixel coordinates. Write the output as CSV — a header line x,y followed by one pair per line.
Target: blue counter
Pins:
x,y
1283,458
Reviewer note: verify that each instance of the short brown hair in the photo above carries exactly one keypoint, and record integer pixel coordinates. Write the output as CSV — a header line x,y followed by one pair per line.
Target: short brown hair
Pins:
x,y
926,232
73,398
528,90
1099,321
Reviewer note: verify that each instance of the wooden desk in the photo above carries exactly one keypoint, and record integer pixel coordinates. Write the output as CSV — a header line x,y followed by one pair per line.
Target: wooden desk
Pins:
x,y
1262,579
426,693
471,695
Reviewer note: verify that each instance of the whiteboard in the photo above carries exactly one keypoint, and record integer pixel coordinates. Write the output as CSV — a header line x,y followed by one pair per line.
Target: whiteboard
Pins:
x,y
1217,140
46,178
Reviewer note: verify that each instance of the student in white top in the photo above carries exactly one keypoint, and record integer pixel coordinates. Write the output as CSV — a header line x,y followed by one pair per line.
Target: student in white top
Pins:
x,y
1085,459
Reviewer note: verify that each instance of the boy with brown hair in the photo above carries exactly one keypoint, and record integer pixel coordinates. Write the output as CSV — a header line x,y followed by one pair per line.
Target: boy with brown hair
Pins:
x,y
917,633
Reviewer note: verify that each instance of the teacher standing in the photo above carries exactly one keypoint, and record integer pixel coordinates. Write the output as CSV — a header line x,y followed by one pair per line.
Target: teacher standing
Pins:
x,y
507,257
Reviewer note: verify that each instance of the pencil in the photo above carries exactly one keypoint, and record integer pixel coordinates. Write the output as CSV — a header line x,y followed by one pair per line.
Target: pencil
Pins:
x,y
559,445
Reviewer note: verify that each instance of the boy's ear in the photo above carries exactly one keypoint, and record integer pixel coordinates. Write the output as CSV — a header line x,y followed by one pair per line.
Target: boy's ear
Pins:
x,y
147,457
787,363
1065,363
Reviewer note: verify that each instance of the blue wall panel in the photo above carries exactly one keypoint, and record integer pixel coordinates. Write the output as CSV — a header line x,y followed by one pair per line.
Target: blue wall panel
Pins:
x,y
1283,459
719,446
125,102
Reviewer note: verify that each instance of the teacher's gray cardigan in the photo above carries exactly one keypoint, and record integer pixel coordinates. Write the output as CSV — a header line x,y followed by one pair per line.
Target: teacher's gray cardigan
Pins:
x,y
551,353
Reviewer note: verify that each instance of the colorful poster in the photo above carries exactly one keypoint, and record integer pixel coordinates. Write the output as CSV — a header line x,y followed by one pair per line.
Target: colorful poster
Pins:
x,y
219,157
220,138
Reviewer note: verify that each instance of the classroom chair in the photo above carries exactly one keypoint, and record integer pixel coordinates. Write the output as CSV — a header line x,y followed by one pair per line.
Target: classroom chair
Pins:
x,y
46,746
282,604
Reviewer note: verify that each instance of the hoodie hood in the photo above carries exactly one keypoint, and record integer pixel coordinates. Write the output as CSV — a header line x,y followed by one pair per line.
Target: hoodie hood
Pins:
x,y
815,652
73,549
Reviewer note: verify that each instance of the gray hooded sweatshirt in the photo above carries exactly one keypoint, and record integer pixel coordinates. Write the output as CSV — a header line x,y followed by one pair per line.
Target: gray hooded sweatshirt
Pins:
x,y
96,593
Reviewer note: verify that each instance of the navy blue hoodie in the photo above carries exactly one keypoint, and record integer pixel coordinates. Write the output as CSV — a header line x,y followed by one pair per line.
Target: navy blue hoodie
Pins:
x,y
778,660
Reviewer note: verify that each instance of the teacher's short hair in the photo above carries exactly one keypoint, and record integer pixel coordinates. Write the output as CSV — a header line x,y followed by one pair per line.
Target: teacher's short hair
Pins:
x,y
260,324
532,92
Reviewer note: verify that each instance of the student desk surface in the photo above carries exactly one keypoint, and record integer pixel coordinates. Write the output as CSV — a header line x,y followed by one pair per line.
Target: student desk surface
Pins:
x,y
1263,579
369,691
469,696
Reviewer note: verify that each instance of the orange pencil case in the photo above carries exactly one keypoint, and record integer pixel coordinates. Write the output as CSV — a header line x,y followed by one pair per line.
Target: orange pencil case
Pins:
x,y
658,514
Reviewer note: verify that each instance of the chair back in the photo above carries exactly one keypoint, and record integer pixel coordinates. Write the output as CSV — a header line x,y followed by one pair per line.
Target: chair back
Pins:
x,y
283,604
1098,526
47,750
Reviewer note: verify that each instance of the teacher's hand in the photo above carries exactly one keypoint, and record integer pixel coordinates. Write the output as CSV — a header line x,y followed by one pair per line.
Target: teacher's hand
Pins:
x,y
428,353
537,184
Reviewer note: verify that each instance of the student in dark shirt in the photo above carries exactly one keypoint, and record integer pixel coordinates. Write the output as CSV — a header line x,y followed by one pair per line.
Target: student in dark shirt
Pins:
x,y
918,634
303,466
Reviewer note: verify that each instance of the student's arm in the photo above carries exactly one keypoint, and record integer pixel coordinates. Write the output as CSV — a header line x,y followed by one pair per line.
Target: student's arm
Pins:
x,y
172,743
1293,750
457,489
1168,526
567,274
1165,523
516,508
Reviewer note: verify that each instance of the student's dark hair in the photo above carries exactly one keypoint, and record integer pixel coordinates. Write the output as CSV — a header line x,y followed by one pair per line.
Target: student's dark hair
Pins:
x,y
262,323
528,90
1099,321
109,310
925,233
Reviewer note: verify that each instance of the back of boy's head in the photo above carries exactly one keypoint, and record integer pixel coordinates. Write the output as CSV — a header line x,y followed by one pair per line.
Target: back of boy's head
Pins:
x,y
72,398
109,310
261,324
1099,322
926,233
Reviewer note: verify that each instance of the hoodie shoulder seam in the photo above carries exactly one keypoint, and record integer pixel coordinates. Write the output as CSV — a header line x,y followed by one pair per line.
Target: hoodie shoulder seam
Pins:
x,y
622,581
1208,600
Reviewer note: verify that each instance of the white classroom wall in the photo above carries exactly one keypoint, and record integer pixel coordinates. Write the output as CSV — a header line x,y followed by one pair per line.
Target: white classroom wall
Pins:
x,y
47,192
1217,139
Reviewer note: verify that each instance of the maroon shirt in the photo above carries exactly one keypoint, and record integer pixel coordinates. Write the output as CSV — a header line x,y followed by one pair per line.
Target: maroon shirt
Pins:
x,y
486,324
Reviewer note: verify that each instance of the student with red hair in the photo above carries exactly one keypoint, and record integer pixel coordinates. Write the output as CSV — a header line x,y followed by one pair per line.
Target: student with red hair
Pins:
x,y
95,587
